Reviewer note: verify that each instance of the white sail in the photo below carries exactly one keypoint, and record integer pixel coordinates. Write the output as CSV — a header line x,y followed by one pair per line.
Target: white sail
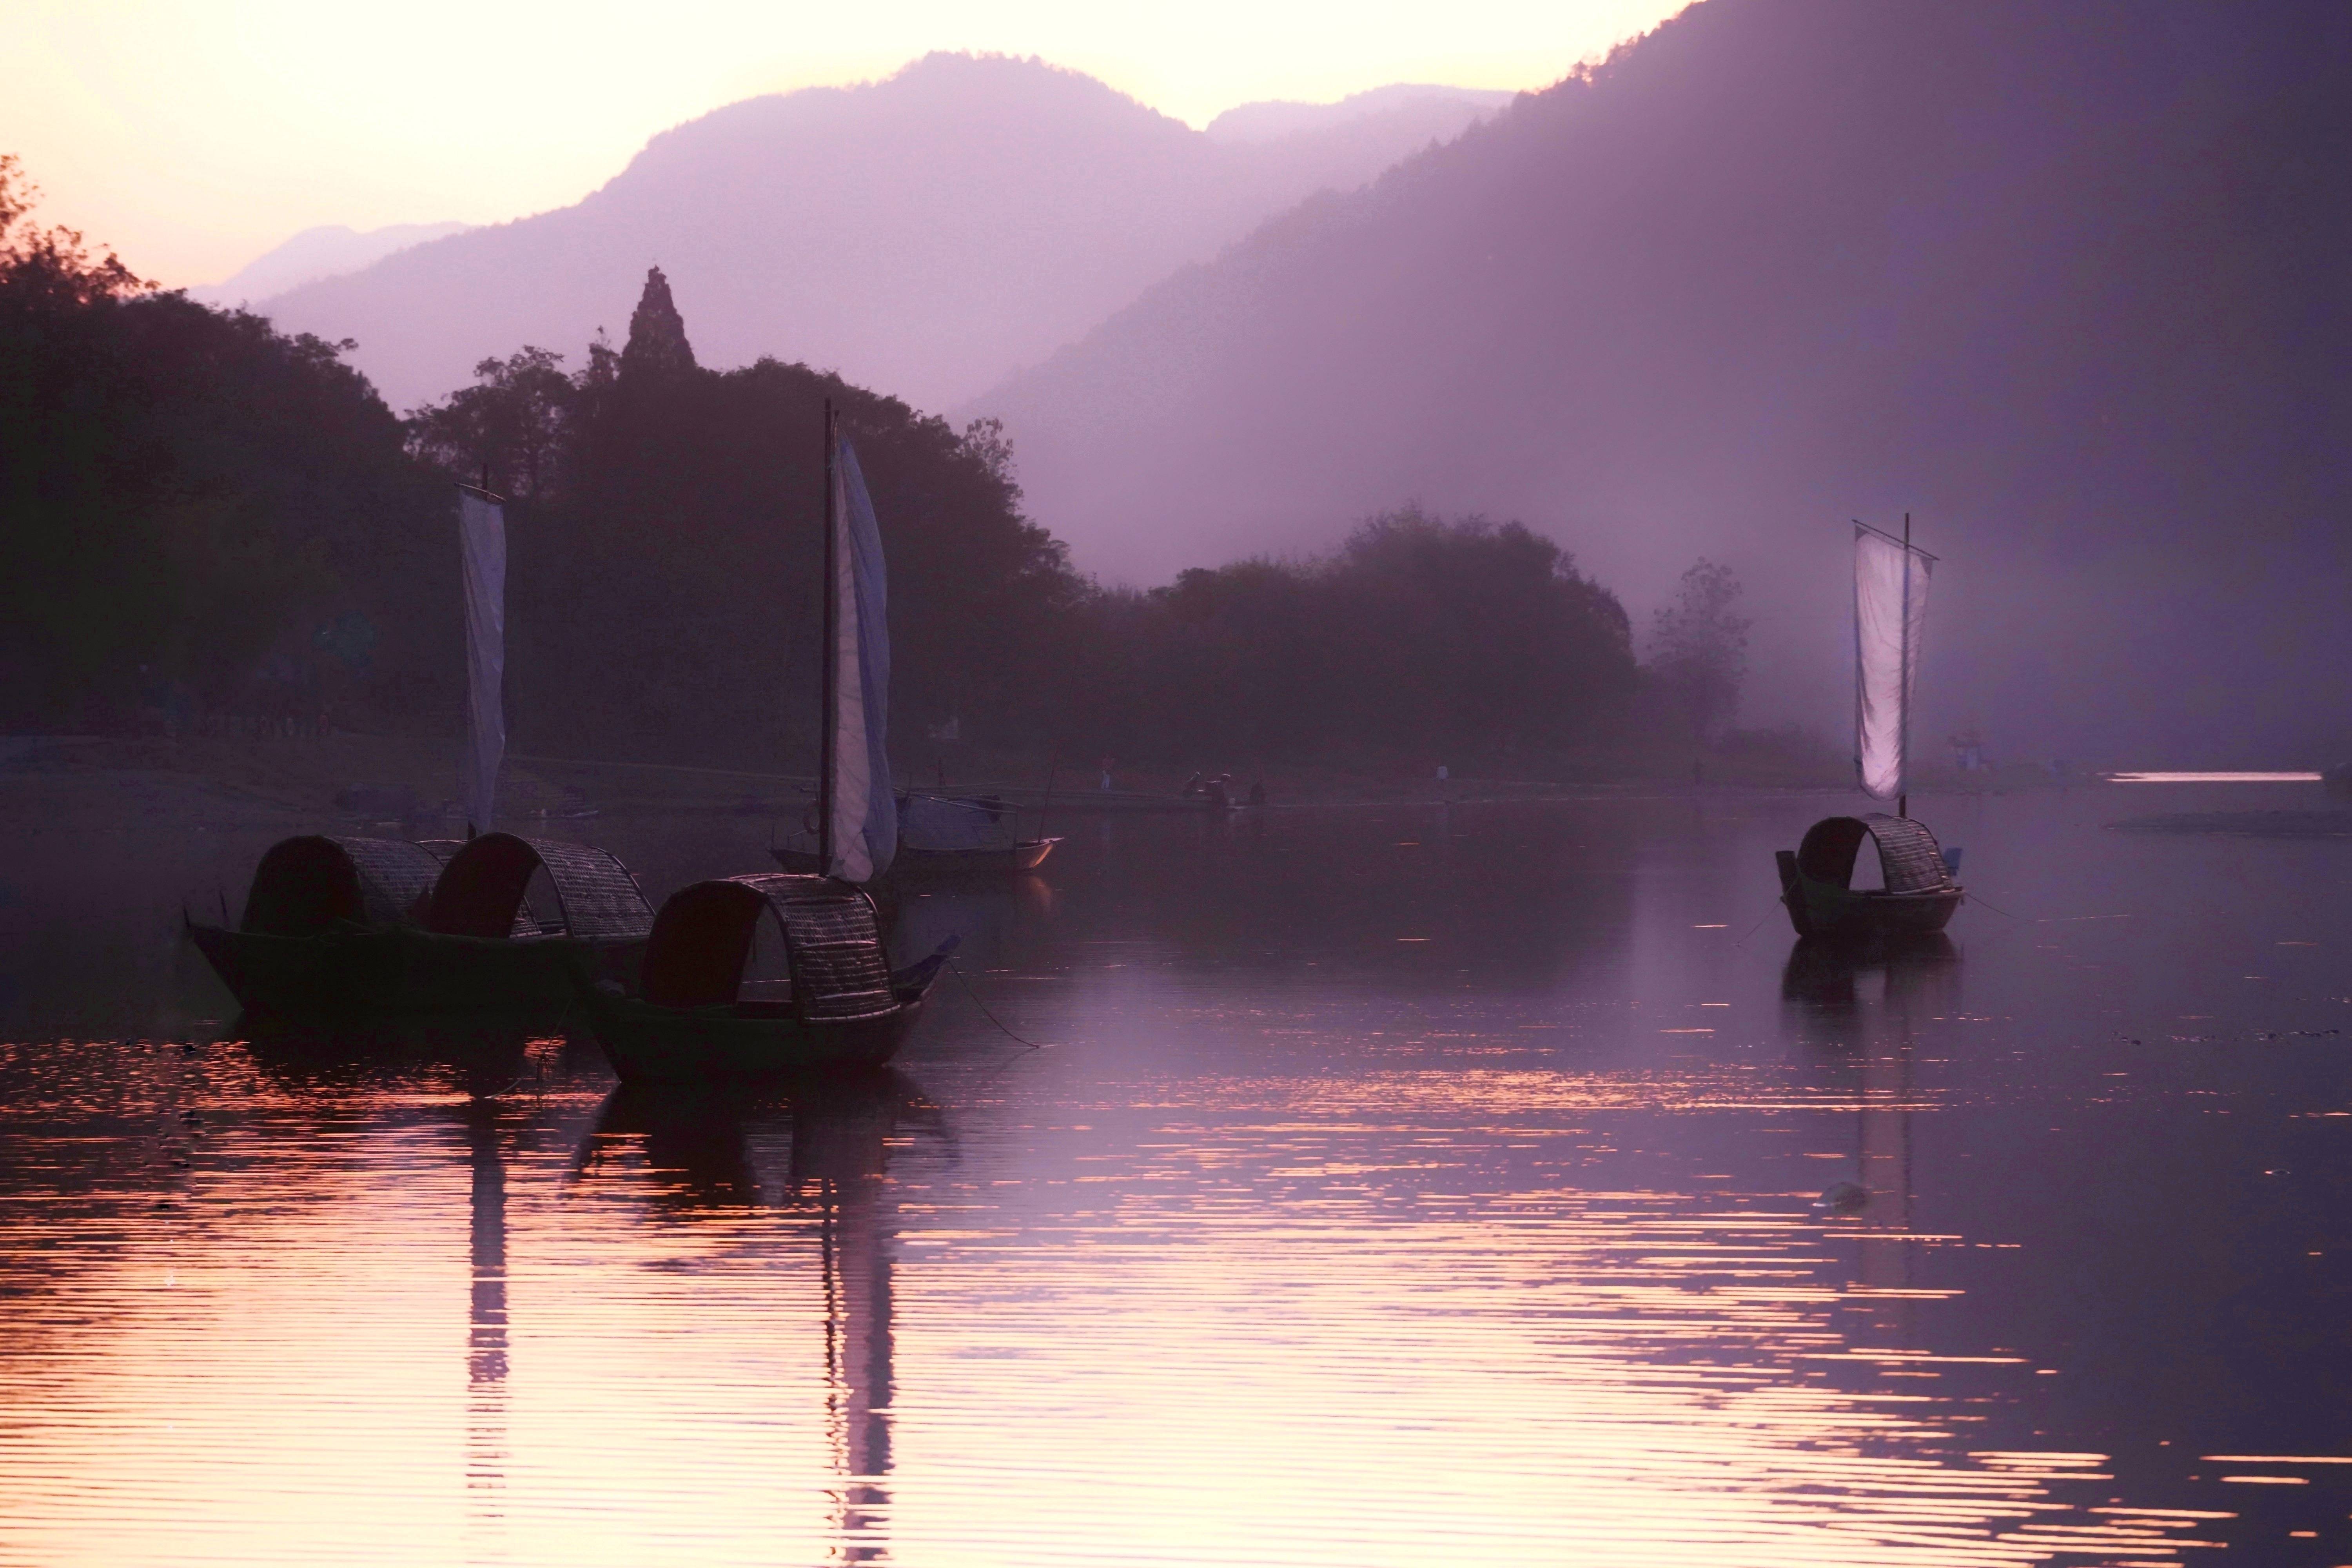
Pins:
x,y
482,545
1890,606
864,831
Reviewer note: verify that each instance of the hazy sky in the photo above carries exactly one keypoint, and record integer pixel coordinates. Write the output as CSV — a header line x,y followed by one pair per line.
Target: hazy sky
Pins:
x,y
192,137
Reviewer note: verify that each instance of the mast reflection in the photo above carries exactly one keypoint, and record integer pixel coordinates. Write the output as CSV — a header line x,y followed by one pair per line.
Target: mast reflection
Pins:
x,y
483,1060
841,1135
839,1145
1861,1005
485,1318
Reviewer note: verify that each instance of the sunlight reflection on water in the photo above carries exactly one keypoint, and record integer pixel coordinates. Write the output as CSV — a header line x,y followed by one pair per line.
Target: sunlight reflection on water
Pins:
x,y
1278,1254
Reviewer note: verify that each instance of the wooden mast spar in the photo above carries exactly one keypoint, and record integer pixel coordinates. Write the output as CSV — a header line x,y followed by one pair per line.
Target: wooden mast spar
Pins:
x,y
830,664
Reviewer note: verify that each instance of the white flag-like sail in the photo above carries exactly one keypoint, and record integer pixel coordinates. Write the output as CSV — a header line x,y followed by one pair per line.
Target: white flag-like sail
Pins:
x,y
1890,606
482,544
864,826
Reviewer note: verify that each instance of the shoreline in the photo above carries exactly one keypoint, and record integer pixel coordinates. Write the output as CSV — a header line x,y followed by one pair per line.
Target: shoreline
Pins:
x,y
406,782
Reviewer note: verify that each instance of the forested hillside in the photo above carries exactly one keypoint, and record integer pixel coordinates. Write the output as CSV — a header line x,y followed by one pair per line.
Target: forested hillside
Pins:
x,y
205,518
219,529
664,562
2065,281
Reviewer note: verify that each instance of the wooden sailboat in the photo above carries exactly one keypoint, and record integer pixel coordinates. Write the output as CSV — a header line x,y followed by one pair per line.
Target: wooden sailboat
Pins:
x,y
699,1015
1916,895
964,835
344,926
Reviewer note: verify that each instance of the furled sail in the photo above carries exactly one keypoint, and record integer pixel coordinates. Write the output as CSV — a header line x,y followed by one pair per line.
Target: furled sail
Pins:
x,y
862,832
482,544
1890,606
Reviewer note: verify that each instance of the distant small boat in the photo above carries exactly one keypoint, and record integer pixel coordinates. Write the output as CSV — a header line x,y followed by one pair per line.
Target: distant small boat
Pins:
x,y
1216,795
948,837
964,835
698,1017
1917,895
1023,855
349,927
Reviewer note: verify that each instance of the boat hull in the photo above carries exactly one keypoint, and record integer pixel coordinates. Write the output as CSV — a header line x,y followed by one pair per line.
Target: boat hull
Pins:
x,y
650,1044
909,862
1819,908
1025,855
401,970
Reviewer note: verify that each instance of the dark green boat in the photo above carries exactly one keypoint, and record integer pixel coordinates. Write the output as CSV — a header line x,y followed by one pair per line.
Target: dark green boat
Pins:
x,y
697,1017
1917,895
352,927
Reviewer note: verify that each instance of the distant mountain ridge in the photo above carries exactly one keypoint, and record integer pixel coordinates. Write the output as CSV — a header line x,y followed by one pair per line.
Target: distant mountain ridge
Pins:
x,y
1438,110
2066,282
926,234
328,251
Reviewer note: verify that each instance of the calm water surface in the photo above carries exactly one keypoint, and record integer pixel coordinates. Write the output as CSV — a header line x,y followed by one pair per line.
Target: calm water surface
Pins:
x,y
1389,1186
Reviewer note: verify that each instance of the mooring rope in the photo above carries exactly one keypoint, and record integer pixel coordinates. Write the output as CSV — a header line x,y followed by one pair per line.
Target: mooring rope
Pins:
x,y
965,980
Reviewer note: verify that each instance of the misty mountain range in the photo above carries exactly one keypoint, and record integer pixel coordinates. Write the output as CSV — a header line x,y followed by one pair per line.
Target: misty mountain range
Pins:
x,y
2067,282
328,251
928,234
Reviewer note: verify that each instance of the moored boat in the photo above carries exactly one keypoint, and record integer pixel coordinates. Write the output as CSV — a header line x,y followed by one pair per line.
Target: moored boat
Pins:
x,y
699,1016
346,927
1917,895
1011,860
699,1013
947,837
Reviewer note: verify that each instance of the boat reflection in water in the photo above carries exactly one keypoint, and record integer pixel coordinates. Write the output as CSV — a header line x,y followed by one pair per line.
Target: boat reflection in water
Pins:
x,y
482,1061
481,1056
1863,1006
841,1131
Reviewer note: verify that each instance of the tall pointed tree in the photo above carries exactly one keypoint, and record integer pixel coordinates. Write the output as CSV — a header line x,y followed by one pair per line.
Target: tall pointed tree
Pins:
x,y
656,349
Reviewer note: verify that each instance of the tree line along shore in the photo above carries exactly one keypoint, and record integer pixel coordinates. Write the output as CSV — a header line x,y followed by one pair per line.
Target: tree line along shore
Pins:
x,y
226,536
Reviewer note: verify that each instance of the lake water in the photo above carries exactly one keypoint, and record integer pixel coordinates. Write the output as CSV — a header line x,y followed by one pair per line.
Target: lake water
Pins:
x,y
1388,1186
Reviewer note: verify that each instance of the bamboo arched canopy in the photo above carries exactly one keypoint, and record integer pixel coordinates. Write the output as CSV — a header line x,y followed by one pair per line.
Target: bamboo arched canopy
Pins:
x,y
480,892
1908,857
701,943
314,883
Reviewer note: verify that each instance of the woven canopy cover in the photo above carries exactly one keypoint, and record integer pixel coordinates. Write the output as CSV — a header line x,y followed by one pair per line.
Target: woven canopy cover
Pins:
x,y
702,940
480,891
311,884
1907,856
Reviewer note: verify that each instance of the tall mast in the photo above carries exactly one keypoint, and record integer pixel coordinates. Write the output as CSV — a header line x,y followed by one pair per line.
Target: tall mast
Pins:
x,y
1903,679
831,665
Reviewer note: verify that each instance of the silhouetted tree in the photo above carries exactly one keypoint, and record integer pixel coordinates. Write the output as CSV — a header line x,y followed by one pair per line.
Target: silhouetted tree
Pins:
x,y
656,349
665,589
205,507
509,425
202,514
1419,636
1698,650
